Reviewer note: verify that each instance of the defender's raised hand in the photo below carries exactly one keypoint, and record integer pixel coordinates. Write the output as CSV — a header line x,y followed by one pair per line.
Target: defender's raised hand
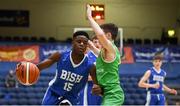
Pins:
x,y
89,11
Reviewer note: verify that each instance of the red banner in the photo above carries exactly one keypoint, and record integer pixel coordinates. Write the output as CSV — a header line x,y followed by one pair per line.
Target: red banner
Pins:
x,y
127,55
19,53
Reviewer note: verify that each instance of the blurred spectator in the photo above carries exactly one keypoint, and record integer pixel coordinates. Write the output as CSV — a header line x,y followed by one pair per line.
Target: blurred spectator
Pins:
x,y
177,103
10,80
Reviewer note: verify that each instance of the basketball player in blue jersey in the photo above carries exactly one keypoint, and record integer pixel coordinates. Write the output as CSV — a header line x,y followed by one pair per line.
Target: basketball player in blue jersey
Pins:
x,y
87,97
72,72
155,83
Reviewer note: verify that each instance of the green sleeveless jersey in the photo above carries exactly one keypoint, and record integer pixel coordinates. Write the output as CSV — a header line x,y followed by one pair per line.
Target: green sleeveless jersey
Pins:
x,y
107,72
108,78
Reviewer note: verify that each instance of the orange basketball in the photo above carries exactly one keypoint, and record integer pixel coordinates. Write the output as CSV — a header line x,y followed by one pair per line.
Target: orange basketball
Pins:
x,y
27,73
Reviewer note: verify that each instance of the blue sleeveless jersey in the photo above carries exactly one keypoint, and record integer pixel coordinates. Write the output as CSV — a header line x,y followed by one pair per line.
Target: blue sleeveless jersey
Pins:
x,y
86,97
92,56
70,78
156,77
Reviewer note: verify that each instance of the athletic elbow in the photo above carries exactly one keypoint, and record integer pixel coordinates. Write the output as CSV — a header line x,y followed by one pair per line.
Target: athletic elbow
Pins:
x,y
140,84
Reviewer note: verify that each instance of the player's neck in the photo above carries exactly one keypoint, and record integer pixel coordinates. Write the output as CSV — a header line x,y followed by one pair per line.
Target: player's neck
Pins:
x,y
158,69
77,58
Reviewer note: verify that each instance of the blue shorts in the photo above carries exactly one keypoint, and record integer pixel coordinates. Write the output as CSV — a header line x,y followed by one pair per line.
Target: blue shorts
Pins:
x,y
155,99
52,98
87,98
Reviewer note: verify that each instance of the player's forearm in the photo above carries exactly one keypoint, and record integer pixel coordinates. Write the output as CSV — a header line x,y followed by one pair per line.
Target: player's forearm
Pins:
x,y
167,89
96,28
99,33
44,64
94,79
145,85
95,50
93,75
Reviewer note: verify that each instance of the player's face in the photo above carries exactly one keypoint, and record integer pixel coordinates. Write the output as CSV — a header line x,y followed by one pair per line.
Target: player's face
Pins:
x,y
157,63
96,43
107,34
80,44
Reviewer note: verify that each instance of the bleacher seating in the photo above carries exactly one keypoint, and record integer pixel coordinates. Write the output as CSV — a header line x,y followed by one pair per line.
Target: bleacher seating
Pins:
x,y
51,39
130,41
25,39
16,38
147,41
129,76
42,39
33,95
156,41
34,39
138,41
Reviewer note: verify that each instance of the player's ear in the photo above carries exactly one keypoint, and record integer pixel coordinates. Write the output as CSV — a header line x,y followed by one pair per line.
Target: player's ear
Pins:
x,y
108,35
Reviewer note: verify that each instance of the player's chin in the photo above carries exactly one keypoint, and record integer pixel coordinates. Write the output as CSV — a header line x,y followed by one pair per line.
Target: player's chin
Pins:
x,y
81,52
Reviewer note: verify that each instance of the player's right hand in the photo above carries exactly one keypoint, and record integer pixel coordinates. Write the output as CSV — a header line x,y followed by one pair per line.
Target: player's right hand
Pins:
x,y
156,85
96,90
173,91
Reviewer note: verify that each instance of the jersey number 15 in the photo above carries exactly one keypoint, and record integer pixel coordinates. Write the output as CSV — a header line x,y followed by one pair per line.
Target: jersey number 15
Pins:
x,y
68,86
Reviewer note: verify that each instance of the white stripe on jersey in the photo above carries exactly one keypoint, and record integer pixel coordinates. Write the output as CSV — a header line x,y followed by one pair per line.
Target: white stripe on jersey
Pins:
x,y
85,101
148,98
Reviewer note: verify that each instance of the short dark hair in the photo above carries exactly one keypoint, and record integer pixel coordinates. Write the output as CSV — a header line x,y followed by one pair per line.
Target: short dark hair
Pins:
x,y
110,27
158,56
94,37
80,33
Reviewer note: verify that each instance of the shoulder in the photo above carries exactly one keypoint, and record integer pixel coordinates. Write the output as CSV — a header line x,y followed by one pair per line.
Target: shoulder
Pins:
x,y
59,56
91,53
164,72
147,73
65,53
89,60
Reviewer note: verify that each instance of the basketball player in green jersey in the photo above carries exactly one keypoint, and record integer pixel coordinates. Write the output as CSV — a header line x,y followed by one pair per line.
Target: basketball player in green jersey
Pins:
x,y
107,63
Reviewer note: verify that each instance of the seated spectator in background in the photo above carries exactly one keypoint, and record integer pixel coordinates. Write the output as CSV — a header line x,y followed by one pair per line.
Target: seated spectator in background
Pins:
x,y
10,80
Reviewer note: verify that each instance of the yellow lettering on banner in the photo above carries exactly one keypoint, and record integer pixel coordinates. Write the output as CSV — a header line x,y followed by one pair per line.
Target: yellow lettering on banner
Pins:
x,y
8,55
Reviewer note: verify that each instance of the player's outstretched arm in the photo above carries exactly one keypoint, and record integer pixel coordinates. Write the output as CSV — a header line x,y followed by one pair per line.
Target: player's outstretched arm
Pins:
x,y
93,74
98,31
93,48
167,89
142,83
49,61
96,89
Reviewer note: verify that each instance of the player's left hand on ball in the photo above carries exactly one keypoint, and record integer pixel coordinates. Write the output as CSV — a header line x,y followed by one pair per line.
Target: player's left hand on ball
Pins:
x,y
173,91
96,89
18,66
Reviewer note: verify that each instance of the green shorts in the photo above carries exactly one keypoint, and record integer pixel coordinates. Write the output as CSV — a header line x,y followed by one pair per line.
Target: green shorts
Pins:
x,y
113,96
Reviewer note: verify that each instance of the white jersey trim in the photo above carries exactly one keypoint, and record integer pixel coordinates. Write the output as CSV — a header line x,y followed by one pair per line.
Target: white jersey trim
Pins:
x,y
85,102
76,65
54,79
94,53
157,70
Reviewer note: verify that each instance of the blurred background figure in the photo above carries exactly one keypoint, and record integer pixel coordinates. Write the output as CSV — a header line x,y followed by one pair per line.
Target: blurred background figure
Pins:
x,y
10,80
